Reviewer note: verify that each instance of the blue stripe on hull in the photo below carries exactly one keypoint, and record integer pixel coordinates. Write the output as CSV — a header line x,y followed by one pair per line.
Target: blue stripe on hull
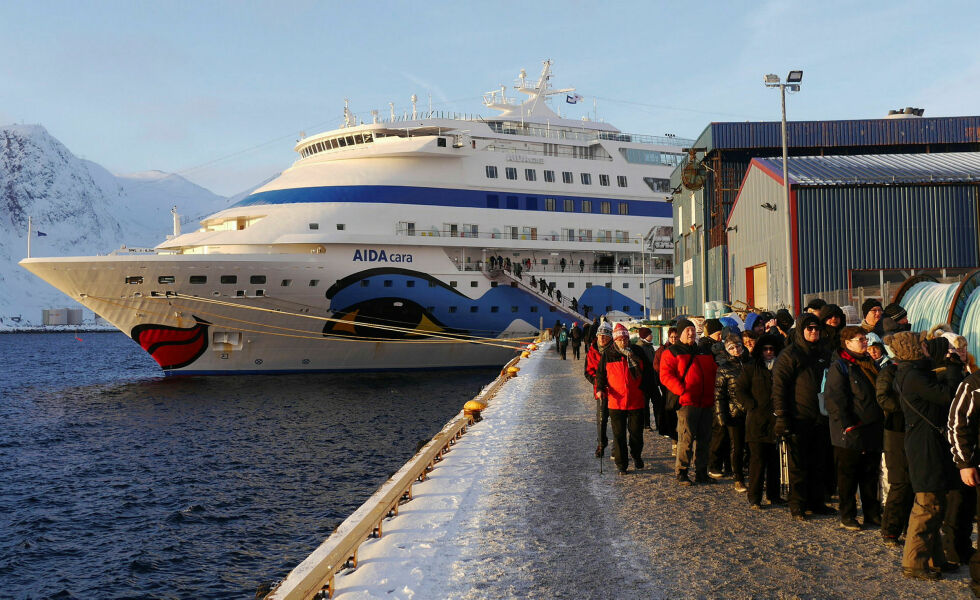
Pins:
x,y
425,196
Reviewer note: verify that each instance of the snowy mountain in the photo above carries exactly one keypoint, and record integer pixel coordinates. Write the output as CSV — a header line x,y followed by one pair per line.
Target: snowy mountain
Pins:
x,y
84,210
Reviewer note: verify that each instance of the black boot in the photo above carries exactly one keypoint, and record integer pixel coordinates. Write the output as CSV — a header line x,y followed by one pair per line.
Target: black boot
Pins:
x,y
682,477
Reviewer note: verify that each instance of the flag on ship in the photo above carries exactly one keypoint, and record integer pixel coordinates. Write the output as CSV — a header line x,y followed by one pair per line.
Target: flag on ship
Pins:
x,y
573,98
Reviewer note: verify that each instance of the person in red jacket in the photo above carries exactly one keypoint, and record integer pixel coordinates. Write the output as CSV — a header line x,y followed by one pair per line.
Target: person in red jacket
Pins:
x,y
619,383
689,372
602,341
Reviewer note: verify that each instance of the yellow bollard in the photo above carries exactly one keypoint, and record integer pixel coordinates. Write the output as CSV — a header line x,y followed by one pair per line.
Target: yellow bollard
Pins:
x,y
512,371
532,347
525,354
472,409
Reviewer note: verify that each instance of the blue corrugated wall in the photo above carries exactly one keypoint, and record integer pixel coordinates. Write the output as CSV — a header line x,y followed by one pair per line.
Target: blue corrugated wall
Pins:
x,y
863,132
890,227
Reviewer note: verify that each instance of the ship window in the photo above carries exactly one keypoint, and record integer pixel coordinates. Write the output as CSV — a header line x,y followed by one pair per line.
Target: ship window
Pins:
x,y
510,172
229,279
534,309
566,176
569,205
626,308
605,207
603,179
588,284
197,279
586,178
453,284
494,309
621,180
166,279
314,226
333,144
314,282
544,262
493,284
513,309
552,309
441,142
586,206
585,235
240,293
571,285
285,282
452,309
342,142
134,280
260,292
409,283
657,184
340,226
491,172
474,284
493,201
549,176
609,285
531,203
474,309
256,279
608,307
365,282
549,204
358,139
432,284
626,285
530,174
388,283
624,208
350,140
512,202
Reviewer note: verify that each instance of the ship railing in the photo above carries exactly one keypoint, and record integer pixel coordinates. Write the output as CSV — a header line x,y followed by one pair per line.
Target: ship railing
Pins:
x,y
570,269
561,152
493,235
314,577
562,133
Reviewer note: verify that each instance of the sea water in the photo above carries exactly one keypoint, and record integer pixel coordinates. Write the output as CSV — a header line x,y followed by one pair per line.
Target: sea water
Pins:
x,y
120,483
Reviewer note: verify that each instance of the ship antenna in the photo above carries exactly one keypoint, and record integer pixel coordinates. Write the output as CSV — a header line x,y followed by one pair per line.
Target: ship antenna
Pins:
x,y
347,115
391,105
374,116
415,99
430,105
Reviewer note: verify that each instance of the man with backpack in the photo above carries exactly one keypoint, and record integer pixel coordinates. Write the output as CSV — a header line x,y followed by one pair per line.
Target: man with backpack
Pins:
x,y
563,342
575,339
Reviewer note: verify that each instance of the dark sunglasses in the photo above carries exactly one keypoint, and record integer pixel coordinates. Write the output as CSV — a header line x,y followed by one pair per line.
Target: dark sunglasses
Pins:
x,y
812,328
768,349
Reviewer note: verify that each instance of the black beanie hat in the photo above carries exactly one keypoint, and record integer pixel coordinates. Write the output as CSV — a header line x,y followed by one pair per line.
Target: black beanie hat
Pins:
x,y
895,311
785,320
683,324
816,304
832,310
869,304
712,326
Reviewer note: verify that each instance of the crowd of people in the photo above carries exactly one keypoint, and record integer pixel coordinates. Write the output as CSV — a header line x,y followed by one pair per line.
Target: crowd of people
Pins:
x,y
836,400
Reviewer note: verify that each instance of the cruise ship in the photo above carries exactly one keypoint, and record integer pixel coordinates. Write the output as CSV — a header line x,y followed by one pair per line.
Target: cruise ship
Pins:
x,y
417,241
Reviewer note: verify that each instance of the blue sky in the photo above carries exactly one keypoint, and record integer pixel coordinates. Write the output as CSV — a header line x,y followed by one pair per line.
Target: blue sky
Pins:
x,y
219,91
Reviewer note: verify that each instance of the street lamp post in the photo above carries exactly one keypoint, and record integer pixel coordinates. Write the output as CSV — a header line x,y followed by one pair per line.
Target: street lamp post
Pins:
x,y
793,80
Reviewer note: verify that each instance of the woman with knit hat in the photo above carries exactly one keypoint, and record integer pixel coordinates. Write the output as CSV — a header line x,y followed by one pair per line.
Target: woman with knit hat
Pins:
x,y
688,371
593,354
926,399
856,428
620,384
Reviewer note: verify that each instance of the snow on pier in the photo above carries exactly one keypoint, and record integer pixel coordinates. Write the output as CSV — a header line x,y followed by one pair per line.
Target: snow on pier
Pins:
x,y
518,509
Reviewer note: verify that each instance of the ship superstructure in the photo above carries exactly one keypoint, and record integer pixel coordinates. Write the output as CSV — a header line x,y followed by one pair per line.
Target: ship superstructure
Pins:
x,y
419,241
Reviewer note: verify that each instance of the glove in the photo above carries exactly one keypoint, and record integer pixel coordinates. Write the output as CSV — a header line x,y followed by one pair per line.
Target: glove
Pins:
x,y
782,427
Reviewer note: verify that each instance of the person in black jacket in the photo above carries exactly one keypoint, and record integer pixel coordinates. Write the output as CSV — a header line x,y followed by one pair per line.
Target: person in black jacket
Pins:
x,y
926,400
796,380
753,388
833,320
729,410
575,339
898,504
856,427
964,436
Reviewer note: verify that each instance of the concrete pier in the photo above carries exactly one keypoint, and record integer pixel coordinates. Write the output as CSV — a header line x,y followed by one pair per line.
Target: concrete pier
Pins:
x,y
518,509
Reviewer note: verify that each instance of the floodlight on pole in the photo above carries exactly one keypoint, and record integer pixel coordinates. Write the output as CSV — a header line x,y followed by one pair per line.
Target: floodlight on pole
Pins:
x,y
793,80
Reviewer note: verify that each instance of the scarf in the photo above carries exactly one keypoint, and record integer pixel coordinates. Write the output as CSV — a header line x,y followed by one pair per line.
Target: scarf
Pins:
x,y
631,361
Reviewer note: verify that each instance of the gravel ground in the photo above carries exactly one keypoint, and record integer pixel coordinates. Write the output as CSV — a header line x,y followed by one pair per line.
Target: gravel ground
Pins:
x,y
585,535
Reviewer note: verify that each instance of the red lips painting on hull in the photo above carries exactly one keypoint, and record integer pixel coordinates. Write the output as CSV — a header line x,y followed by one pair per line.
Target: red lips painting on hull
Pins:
x,y
172,347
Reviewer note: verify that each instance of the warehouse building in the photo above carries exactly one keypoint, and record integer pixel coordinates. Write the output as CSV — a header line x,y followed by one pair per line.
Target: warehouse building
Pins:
x,y
706,184
854,221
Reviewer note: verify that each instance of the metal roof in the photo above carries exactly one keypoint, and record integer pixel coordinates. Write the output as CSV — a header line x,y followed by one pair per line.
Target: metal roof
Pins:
x,y
878,169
